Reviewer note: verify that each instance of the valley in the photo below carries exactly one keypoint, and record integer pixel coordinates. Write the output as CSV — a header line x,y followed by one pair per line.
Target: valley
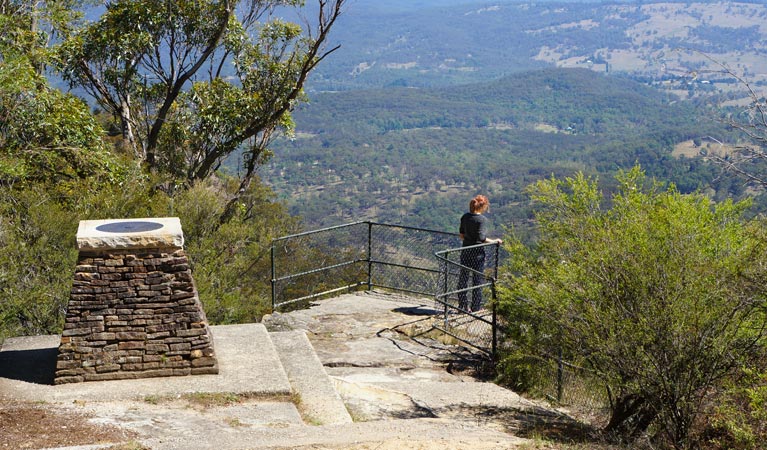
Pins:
x,y
407,121
414,156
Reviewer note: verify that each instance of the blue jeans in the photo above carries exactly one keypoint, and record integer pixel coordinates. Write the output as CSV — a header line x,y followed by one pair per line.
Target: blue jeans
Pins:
x,y
473,259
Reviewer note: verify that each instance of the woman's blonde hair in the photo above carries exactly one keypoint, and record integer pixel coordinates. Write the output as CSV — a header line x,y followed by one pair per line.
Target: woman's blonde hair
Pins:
x,y
479,204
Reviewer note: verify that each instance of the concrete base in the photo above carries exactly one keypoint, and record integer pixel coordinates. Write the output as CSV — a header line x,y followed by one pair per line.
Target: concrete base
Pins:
x,y
248,363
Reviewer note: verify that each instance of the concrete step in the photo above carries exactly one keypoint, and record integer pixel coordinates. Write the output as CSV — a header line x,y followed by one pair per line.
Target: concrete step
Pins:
x,y
248,364
319,401
251,361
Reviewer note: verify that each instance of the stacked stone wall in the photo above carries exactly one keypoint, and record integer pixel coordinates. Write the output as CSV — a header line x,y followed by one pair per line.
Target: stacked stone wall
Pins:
x,y
134,314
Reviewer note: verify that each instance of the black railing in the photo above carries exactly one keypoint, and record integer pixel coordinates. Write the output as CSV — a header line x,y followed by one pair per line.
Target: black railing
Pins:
x,y
367,255
426,265
361,255
467,294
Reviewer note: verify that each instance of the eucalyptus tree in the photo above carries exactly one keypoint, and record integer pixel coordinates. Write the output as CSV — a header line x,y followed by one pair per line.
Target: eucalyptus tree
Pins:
x,y
192,81
45,135
52,159
29,27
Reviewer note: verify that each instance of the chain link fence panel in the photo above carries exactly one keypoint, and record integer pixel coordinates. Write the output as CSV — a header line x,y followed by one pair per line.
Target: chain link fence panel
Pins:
x,y
307,265
362,255
467,293
402,258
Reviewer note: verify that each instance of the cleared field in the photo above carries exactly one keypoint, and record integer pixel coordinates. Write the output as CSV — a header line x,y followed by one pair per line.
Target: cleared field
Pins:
x,y
707,146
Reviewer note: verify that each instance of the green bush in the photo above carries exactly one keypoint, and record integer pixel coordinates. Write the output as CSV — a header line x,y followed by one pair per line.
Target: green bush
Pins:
x,y
738,418
660,294
231,260
36,264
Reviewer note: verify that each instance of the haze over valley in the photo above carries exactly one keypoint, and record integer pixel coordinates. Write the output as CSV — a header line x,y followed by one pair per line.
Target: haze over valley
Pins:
x,y
427,103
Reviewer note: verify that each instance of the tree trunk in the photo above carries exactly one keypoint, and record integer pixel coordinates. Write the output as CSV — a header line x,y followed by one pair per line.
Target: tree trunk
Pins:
x,y
176,86
127,128
631,416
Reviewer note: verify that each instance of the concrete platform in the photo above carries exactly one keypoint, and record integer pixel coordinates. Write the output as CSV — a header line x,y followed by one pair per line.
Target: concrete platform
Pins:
x,y
361,372
248,363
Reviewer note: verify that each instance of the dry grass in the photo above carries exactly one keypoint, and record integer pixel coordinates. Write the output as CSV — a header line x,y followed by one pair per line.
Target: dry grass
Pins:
x,y
689,150
25,425
206,400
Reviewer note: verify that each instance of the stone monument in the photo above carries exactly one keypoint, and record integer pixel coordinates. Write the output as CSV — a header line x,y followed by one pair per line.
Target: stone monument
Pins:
x,y
134,311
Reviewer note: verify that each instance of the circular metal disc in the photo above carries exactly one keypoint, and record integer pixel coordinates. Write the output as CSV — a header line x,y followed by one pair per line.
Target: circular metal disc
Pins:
x,y
129,227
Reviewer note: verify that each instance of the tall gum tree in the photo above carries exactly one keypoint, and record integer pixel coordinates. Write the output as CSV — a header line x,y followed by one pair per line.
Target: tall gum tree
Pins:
x,y
193,81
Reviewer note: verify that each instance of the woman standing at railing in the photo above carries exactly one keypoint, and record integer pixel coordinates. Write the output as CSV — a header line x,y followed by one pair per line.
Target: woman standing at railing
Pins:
x,y
473,231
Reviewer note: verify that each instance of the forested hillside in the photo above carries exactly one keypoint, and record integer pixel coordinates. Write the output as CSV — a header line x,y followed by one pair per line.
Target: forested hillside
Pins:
x,y
415,156
153,144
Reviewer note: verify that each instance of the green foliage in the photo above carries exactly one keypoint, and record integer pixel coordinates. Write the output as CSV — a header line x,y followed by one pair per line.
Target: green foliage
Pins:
x,y
52,159
38,223
414,156
46,135
230,261
26,28
659,295
158,66
739,418
56,168
36,264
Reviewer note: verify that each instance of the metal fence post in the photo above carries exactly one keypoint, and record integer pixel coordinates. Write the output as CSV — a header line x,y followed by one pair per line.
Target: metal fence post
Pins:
x,y
274,279
494,348
370,256
495,304
444,289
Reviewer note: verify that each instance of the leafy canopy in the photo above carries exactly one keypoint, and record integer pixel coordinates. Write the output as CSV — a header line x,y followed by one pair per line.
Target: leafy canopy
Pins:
x,y
659,294
193,81
56,167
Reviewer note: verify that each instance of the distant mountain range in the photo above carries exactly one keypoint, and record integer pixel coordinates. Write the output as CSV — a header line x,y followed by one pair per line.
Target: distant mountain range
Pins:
x,y
436,43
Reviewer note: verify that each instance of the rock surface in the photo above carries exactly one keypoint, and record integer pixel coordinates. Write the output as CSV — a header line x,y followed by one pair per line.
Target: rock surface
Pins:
x,y
402,387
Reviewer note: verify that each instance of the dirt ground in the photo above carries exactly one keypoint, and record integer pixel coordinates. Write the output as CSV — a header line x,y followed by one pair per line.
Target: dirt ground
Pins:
x,y
35,426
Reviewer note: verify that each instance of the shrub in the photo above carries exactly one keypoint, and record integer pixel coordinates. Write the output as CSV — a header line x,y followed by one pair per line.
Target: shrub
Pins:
x,y
661,295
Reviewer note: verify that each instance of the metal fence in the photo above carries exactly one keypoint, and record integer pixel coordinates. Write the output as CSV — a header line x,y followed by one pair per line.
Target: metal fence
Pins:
x,y
425,264
420,262
569,385
361,255
467,294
